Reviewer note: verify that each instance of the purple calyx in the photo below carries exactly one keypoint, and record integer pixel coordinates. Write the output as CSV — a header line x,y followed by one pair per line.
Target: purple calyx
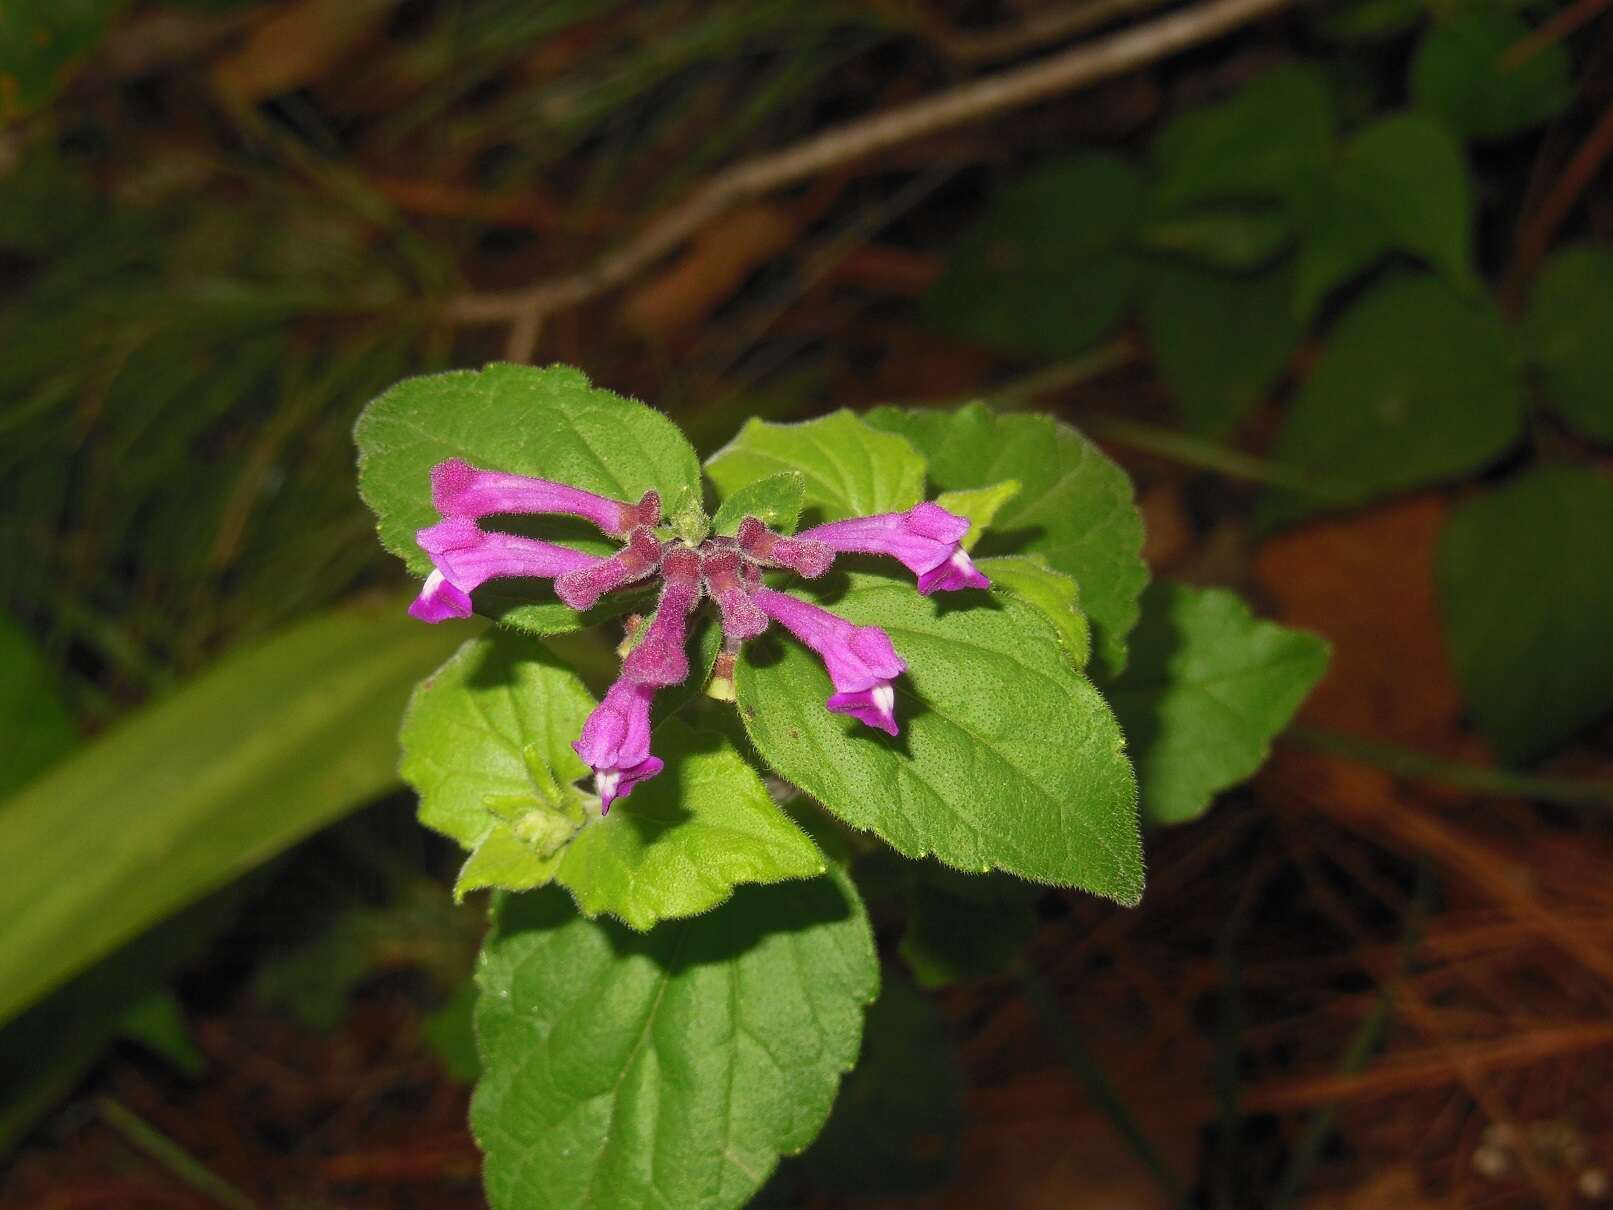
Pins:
x,y
861,661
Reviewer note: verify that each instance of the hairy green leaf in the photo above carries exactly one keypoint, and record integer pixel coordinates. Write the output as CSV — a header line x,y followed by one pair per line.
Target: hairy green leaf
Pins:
x,y
550,423
850,469
1049,269
271,744
1074,507
1220,340
668,1068
1008,757
980,504
1460,74
1054,594
1569,332
487,743
1416,386
1528,604
1207,690
776,501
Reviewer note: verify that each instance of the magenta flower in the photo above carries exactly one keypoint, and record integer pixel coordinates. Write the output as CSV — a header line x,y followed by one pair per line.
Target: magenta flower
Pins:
x,y
582,588
459,489
465,558
860,659
659,658
724,572
802,556
926,538
615,741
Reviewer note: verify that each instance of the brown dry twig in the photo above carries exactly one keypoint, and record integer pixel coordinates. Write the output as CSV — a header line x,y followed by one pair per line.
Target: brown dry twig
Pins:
x,y
524,309
1038,29
1536,237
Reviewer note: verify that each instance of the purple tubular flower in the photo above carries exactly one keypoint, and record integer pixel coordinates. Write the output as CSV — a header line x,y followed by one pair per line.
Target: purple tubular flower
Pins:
x,y
459,489
615,741
741,617
642,555
925,538
800,554
860,659
466,557
659,658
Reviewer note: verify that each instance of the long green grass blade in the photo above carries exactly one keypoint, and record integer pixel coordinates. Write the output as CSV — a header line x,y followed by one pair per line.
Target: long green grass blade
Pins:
x,y
269,745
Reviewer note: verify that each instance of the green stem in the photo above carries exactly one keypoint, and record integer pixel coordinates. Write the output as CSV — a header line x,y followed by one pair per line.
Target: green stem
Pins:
x,y
1566,791
146,1137
1208,455
1095,1081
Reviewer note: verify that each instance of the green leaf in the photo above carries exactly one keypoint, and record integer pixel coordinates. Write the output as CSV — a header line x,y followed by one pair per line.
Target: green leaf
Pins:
x,y
1460,75
1567,332
40,42
1415,386
1049,269
1251,146
34,719
1401,185
980,504
1220,341
490,732
1207,690
850,470
1368,20
157,1022
450,1034
487,743
776,501
271,744
549,423
895,1123
952,937
686,838
1055,595
1074,507
1008,758
668,1068
1227,237
1528,604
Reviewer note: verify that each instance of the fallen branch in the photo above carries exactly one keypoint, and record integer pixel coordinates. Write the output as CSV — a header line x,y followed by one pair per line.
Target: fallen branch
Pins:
x,y
524,309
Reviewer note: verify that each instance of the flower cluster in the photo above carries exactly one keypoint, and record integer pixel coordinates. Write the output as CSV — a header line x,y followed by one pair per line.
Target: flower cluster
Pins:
x,y
615,740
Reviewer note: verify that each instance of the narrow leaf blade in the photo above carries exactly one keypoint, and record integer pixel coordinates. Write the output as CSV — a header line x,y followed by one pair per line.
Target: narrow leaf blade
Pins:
x,y
271,744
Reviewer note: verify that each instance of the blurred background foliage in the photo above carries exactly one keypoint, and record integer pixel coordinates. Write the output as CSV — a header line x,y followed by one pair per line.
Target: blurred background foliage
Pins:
x,y
1336,288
